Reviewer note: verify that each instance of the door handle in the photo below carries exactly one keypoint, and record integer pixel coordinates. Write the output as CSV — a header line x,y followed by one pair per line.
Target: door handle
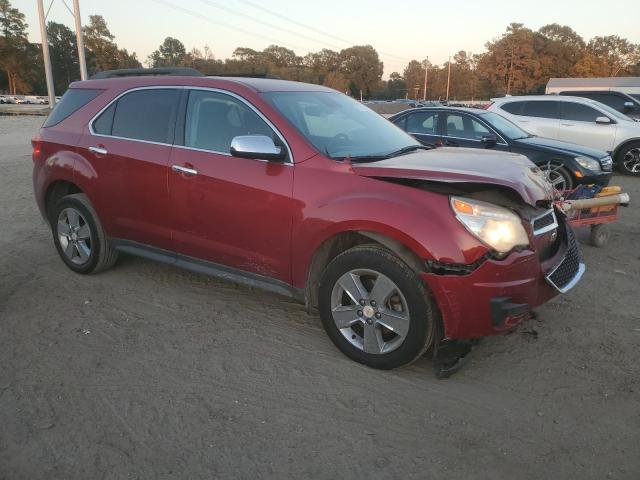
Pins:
x,y
451,143
98,150
187,171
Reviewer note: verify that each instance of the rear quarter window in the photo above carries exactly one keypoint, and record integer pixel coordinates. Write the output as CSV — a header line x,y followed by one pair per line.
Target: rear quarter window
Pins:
x,y
73,100
514,108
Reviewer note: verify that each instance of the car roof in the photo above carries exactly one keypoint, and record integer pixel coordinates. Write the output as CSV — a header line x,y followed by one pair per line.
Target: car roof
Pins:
x,y
560,98
259,85
477,111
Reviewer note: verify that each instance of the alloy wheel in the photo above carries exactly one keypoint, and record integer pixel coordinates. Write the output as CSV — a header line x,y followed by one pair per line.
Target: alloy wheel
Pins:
x,y
74,236
370,311
555,176
631,160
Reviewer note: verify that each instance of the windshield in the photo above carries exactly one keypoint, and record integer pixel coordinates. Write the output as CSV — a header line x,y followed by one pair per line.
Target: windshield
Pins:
x,y
504,126
340,127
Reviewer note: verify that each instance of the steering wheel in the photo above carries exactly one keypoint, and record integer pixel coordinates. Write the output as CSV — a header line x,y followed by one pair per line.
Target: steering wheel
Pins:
x,y
339,139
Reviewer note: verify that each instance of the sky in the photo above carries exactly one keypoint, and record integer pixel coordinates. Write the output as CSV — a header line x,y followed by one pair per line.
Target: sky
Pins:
x,y
399,31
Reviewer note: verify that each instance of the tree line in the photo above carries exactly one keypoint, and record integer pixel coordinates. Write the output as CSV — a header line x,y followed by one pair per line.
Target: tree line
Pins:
x,y
520,61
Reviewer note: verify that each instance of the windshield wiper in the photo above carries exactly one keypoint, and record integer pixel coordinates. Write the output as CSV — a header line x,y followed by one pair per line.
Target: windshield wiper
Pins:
x,y
373,158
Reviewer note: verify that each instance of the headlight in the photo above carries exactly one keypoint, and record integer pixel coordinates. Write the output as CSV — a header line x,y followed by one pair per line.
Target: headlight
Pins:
x,y
588,163
499,228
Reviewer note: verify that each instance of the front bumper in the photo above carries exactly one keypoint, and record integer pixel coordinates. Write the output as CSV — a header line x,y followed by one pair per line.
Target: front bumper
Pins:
x,y
500,294
598,178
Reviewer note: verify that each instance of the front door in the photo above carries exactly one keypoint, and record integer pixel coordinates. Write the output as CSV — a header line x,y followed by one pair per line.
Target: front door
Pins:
x,y
578,125
232,211
462,130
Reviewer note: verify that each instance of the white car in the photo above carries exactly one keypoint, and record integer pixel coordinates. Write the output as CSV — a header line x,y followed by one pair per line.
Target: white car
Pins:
x,y
576,120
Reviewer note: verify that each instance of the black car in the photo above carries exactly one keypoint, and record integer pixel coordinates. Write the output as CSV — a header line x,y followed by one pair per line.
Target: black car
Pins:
x,y
567,164
620,101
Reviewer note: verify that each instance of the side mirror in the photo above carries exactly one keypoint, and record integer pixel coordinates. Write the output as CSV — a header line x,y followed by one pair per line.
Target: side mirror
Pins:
x,y
628,106
489,140
257,147
603,120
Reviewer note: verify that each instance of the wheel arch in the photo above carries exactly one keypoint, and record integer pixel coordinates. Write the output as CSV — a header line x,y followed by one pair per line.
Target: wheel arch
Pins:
x,y
342,241
55,191
620,147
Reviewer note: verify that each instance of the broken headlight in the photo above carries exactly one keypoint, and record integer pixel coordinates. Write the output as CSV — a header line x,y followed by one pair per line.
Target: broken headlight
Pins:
x,y
498,227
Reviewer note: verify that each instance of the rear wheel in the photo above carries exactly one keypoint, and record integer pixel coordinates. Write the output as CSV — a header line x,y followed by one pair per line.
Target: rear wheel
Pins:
x,y
79,237
628,159
375,308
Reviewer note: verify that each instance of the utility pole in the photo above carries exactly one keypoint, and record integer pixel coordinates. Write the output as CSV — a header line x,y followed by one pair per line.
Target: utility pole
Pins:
x,y
448,78
45,55
79,40
426,75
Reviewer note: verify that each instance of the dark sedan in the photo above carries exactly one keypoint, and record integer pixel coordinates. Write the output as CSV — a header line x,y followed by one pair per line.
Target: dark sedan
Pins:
x,y
566,164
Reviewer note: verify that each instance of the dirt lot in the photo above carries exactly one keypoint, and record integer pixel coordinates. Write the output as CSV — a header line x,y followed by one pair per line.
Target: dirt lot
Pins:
x,y
147,371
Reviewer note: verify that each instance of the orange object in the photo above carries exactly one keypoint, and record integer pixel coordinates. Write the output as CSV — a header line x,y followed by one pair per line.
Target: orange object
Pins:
x,y
606,191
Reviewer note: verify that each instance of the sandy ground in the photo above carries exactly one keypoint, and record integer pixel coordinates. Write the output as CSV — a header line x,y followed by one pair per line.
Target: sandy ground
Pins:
x,y
146,371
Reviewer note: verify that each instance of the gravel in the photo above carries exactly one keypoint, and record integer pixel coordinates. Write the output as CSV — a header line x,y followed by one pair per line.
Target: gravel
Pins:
x,y
147,371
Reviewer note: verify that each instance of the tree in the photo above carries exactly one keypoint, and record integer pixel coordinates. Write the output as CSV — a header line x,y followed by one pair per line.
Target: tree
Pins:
x,y
510,64
170,54
63,52
14,47
559,47
363,69
614,56
413,76
102,52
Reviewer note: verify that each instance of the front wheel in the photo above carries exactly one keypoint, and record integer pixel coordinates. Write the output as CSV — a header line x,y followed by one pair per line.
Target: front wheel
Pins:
x,y
628,159
375,308
558,176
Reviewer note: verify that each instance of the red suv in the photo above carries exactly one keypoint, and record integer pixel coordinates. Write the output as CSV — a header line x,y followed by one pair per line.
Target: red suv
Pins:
x,y
301,190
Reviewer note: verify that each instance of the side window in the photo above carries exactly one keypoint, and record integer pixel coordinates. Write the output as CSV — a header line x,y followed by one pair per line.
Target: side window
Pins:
x,y
401,122
104,123
580,113
214,119
425,123
514,108
541,109
146,115
463,126
72,100
614,101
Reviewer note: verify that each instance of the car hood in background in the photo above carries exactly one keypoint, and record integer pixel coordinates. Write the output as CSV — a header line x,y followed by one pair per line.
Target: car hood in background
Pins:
x,y
465,165
556,146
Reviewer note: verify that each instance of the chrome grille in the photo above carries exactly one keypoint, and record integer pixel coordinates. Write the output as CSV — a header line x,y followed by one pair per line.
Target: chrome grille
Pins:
x,y
567,273
544,223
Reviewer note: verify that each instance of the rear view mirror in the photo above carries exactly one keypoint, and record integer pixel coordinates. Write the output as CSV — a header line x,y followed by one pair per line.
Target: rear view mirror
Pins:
x,y
603,120
489,140
628,106
256,146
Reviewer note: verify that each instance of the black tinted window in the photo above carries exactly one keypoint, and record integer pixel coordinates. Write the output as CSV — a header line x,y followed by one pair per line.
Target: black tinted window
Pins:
x,y
104,122
463,126
147,115
541,109
72,100
514,108
614,101
580,113
425,123
214,119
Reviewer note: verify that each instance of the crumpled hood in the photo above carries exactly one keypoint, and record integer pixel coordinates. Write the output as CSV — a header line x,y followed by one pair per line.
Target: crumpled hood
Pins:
x,y
465,165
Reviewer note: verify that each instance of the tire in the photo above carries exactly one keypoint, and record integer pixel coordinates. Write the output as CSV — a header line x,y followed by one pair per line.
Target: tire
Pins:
x,y
84,249
628,159
559,177
599,235
404,304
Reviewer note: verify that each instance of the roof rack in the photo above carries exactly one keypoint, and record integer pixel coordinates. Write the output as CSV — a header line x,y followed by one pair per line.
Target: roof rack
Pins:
x,y
141,72
246,75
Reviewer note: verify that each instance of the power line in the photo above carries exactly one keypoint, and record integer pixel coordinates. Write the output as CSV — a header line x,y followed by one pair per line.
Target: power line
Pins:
x,y
317,30
226,25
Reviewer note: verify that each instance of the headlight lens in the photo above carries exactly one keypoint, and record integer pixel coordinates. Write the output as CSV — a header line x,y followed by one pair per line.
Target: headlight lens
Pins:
x,y
499,228
588,163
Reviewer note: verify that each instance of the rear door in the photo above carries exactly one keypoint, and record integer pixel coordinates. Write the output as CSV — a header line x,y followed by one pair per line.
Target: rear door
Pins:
x,y
540,117
423,126
578,125
228,210
128,145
